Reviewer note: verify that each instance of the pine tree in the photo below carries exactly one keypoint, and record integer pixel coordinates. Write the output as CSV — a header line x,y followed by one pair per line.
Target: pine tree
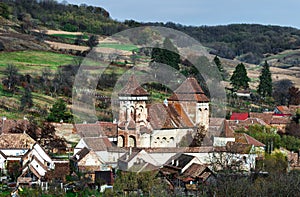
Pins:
x,y
239,78
265,81
59,112
220,67
167,55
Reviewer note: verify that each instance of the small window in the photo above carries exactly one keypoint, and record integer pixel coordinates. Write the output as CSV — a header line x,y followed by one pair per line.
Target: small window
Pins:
x,y
200,109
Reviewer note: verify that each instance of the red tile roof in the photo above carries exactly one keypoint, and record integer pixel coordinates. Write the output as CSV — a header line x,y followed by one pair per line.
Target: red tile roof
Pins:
x,y
109,129
189,90
89,130
246,139
97,143
227,131
244,124
16,141
280,120
132,88
239,116
129,124
169,117
266,117
284,110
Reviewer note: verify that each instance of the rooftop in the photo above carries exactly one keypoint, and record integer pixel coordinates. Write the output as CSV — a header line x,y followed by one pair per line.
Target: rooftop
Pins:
x,y
133,88
189,90
16,141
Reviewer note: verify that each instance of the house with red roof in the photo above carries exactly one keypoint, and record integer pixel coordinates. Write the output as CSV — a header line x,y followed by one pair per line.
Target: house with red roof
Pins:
x,y
282,111
239,116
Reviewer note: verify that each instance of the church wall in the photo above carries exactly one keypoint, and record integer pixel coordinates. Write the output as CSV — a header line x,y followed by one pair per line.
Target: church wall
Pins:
x,y
167,137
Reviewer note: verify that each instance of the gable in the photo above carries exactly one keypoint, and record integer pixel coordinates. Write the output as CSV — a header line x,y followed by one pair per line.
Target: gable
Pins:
x,y
91,159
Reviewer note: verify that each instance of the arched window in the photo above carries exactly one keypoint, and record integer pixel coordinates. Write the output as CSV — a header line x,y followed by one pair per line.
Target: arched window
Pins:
x,y
131,141
121,141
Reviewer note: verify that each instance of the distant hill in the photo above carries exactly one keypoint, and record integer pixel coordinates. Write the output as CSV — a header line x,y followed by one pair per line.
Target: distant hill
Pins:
x,y
249,43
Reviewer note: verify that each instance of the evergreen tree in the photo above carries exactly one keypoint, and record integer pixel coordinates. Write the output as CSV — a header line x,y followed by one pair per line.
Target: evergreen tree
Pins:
x,y
220,67
59,112
26,99
239,78
167,55
265,81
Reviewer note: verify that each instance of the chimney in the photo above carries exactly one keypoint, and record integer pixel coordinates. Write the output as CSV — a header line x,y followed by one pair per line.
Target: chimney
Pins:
x,y
172,162
130,150
177,162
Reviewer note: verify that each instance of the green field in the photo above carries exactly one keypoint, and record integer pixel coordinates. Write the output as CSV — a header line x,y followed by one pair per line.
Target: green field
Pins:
x,y
33,61
123,47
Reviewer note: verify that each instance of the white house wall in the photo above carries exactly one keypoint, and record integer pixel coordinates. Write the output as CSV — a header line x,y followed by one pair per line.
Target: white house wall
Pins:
x,y
162,158
112,157
2,162
14,152
42,156
81,144
204,158
38,167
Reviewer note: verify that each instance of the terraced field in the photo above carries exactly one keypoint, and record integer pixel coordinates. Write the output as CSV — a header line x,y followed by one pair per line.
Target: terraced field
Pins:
x,y
34,61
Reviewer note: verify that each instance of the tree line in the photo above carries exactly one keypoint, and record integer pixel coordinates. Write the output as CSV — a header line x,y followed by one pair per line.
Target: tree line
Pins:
x,y
54,15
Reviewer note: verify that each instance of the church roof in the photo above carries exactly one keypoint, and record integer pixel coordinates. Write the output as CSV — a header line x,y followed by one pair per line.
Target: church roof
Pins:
x,y
133,88
189,90
171,116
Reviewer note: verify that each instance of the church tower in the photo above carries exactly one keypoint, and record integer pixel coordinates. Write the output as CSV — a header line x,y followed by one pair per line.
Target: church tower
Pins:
x,y
193,100
132,113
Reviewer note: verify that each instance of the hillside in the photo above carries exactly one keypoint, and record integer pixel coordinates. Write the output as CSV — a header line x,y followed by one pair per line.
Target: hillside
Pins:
x,y
53,48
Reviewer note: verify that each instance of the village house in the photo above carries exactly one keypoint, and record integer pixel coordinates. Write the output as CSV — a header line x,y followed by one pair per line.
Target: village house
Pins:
x,y
12,148
137,161
36,163
87,162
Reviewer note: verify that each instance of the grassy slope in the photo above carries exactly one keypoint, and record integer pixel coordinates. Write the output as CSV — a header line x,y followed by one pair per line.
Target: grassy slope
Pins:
x,y
123,47
33,61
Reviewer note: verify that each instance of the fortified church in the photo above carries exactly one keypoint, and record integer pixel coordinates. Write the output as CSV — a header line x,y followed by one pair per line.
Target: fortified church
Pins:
x,y
160,125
